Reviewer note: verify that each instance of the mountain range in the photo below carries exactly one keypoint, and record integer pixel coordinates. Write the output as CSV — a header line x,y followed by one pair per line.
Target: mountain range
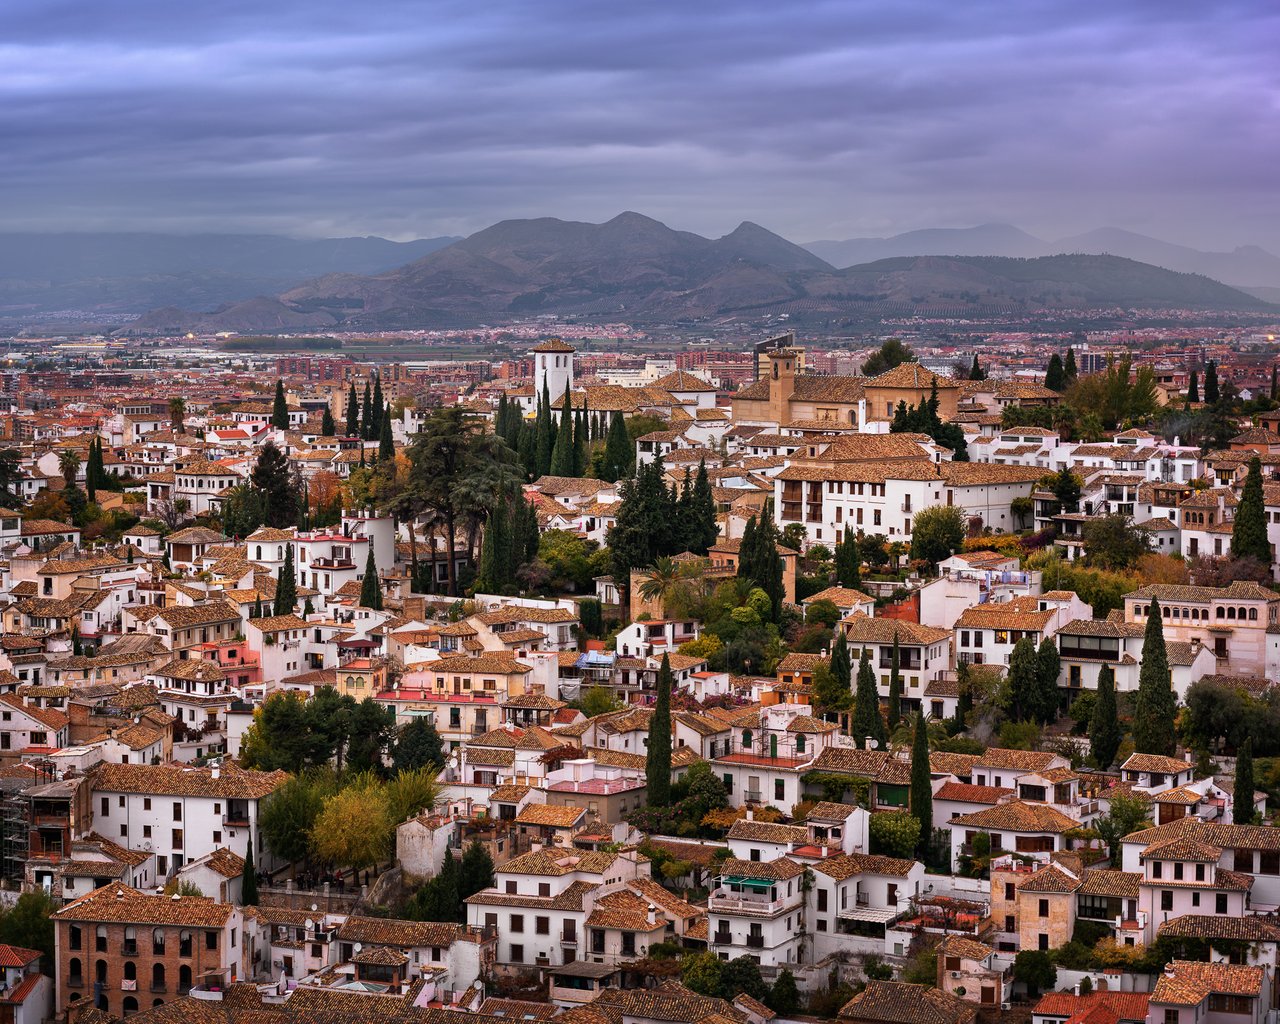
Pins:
x,y
1244,267
129,273
634,267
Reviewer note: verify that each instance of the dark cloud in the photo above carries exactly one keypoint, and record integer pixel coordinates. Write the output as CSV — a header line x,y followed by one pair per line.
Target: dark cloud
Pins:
x,y
818,119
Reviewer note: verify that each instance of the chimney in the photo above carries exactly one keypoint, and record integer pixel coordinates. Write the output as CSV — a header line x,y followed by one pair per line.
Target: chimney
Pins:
x,y
751,814
653,914
215,772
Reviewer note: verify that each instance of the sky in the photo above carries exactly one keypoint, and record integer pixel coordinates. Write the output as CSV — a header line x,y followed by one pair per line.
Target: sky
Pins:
x,y
815,119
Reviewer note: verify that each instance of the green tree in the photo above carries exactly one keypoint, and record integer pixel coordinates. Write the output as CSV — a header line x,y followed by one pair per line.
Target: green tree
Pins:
x,y
280,736
272,479
1243,811
28,924
1155,707
475,873
642,524
895,834
658,755
704,527
895,683
892,353
562,450
386,445
355,829
619,453
832,686
1035,969
1022,682
327,427
1104,728
286,585
1044,705
280,408
937,533
1066,489
69,467
366,414
1193,389
417,745
921,784
1115,542
1069,366
598,700
741,976
848,566
702,973
1055,378
867,723
249,879
1127,814
371,584
1211,390
287,818
353,412
975,371
784,997
1249,530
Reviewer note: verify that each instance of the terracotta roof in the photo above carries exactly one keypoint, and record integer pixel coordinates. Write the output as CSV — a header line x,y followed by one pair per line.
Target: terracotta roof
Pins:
x,y
1094,1008
779,870
121,903
626,911
400,934
895,1002
962,792
1017,816
233,782
1051,878
1189,983
1106,882
1182,848
767,832
846,865
1017,760
550,815
1248,928
958,945
1154,763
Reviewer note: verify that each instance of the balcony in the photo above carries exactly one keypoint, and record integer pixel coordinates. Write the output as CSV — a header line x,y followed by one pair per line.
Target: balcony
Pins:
x,y
332,563
753,796
748,905
790,512
128,948
755,942
208,993
569,940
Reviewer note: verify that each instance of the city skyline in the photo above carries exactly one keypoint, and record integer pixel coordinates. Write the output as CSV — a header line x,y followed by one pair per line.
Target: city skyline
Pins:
x,y
822,121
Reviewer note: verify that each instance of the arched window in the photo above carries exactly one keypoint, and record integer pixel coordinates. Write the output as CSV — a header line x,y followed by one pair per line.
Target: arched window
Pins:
x,y
129,1006
157,1002
75,971
1231,613
799,743
131,970
1243,614
258,556
100,971
184,979
131,940
1221,613
746,738
157,942
1253,614
157,978
100,939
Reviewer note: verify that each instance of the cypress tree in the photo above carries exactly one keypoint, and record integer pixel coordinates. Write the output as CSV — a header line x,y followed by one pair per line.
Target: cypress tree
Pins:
x,y
386,446
867,722
848,562
1274,384
249,879
841,675
921,784
495,552
286,584
377,406
1249,531
257,606
546,433
976,371
895,684
657,768
1069,367
366,415
353,412
1104,726
371,585
618,451
706,528
528,451
562,452
327,427
1193,389
1242,807
1211,394
1048,666
580,442
1055,378
1155,706
280,408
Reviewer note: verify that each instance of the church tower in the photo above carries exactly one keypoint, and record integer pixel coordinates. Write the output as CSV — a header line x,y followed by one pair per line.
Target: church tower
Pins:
x,y
553,366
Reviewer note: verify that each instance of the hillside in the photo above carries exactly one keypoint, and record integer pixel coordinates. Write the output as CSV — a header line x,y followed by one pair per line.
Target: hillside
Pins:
x,y
637,268
110,272
984,240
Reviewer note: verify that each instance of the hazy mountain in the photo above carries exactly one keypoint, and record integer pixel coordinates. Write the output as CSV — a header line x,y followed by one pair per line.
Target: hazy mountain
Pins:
x,y
637,268
134,272
984,240
1246,267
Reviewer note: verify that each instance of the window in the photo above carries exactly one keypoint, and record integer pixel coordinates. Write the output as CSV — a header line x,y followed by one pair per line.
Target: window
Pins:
x,y
210,940
517,953
517,922
542,925
75,937
1220,903
1010,891
779,789
822,902
1044,908
1166,899
177,811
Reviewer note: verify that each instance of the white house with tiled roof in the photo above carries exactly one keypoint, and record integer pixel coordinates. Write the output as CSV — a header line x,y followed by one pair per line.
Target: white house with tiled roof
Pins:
x,y
1233,621
1085,645
755,909
924,653
1189,992
1032,829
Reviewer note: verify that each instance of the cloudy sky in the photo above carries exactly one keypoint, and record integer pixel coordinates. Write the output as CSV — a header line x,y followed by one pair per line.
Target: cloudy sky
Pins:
x,y
816,119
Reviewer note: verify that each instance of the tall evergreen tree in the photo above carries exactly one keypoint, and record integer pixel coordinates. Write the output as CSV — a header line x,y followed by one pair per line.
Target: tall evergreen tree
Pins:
x,y
546,428
1044,707
1243,811
867,723
705,527
1055,378
1155,706
378,403
496,551
848,566
581,444
1069,366
618,450
975,371
366,415
562,452
895,684
1249,531
1193,389
921,784
249,879
386,446
371,585
475,873
327,427
1211,391
280,408
841,696
1104,727
286,584
1023,680
353,412
657,767
271,478
1275,383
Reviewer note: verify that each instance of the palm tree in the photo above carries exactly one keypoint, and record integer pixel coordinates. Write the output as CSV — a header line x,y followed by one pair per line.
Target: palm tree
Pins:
x,y
906,730
177,414
69,466
668,582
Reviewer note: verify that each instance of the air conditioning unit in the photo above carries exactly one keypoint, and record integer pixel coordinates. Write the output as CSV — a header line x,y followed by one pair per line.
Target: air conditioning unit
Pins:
x,y
1006,1006
955,974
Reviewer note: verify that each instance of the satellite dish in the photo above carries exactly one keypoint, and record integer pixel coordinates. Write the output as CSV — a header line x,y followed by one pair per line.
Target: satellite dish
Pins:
x,y
357,947
310,925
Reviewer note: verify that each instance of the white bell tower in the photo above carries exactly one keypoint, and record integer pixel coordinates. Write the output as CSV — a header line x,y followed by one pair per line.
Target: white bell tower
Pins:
x,y
553,366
